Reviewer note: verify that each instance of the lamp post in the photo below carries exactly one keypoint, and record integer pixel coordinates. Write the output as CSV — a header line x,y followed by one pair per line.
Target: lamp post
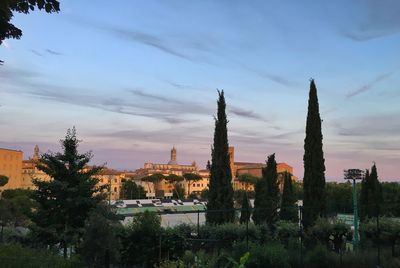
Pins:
x,y
354,174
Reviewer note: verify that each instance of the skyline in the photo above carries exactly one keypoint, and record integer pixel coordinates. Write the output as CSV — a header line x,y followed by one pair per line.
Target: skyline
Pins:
x,y
135,85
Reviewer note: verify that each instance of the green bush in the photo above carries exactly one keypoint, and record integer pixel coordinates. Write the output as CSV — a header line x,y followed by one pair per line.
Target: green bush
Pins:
x,y
270,255
320,256
16,256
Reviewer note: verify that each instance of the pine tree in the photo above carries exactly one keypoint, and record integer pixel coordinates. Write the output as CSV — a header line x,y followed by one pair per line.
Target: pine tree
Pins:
x,y
289,210
220,196
267,195
245,209
65,201
371,195
314,163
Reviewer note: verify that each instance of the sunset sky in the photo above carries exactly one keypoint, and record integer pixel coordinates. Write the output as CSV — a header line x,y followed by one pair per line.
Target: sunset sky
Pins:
x,y
138,77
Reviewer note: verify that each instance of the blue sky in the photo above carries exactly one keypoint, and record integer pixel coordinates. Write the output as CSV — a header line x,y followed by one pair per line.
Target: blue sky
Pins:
x,y
137,77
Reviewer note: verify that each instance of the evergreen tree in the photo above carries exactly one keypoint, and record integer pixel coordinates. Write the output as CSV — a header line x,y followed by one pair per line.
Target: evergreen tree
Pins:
x,y
364,196
267,195
370,195
289,209
220,196
65,201
130,190
245,209
314,163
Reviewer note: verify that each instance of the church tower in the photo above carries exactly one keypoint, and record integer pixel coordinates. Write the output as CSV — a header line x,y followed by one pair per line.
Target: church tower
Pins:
x,y
172,161
36,155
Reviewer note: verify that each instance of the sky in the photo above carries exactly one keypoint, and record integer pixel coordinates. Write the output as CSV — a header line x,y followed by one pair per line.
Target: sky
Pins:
x,y
138,77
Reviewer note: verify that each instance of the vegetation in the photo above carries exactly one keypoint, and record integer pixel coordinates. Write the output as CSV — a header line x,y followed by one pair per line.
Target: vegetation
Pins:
x,y
65,202
220,195
266,201
370,195
130,190
245,212
190,178
3,180
7,7
289,208
314,163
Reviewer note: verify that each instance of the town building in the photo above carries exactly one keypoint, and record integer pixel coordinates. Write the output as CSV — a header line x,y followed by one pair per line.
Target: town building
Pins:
x,y
11,166
164,188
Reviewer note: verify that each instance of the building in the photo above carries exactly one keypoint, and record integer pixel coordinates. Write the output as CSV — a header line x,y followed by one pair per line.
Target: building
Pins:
x,y
30,171
112,182
164,188
11,166
255,169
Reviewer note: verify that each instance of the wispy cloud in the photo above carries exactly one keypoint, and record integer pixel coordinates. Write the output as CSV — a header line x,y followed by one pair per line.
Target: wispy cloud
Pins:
x,y
152,97
54,53
37,53
246,113
381,19
370,85
270,76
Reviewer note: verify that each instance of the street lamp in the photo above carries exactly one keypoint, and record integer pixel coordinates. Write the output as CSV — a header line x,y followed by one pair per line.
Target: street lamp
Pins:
x,y
354,174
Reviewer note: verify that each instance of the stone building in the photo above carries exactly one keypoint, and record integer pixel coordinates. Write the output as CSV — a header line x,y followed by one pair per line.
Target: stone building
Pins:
x,y
11,166
164,188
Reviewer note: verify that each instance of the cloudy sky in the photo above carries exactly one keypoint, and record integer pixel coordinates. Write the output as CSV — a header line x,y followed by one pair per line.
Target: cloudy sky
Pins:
x,y
137,77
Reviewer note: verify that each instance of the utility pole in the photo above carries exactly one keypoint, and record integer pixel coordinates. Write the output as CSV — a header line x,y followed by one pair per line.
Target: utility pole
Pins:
x,y
354,174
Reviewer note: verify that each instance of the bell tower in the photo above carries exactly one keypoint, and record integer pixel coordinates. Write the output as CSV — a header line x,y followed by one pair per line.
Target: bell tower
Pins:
x,y
172,161
36,155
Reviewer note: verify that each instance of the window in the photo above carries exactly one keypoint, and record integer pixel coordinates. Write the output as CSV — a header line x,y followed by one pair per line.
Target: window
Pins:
x,y
115,189
115,180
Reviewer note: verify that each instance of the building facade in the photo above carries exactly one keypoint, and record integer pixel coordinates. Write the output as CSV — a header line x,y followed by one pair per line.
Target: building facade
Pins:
x,y
11,166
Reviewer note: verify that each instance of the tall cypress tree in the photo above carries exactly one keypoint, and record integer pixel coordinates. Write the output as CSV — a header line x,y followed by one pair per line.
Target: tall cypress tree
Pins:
x,y
371,195
314,163
220,196
289,210
267,195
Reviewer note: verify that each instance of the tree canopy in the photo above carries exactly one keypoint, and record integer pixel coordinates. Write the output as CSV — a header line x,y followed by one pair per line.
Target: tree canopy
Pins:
x,y
65,201
8,7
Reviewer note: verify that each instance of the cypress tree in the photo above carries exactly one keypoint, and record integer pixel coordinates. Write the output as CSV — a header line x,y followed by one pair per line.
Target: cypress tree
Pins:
x,y
267,195
245,210
371,195
289,210
314,163
220,196
364,197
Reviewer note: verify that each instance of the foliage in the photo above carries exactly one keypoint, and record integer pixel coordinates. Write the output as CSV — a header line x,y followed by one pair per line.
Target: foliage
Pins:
x,y
190,178
220,196
245,210
333,234
270,255
15,256
130,190
267,195
314,163
391,199
146,228
179,191
388,232
3,180
100,245
7,7
289,208
154,178
370,195
319,257
65,201
287,232
248,179
339,198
